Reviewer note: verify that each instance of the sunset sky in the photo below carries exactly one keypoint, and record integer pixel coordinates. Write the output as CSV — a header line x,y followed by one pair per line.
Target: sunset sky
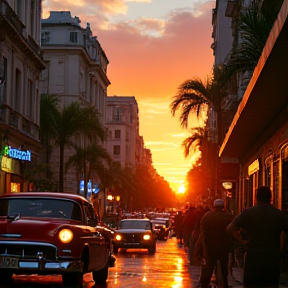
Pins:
x,y
152,47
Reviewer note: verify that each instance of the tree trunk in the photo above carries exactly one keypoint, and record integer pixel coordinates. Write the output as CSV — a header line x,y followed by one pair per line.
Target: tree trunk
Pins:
x,y
61,168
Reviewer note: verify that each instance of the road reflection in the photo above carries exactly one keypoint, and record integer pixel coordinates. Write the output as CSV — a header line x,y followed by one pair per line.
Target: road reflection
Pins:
x,y
168,267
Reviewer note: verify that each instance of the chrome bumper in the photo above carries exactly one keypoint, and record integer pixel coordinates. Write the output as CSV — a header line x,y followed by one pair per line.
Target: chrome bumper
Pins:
x,y
39,265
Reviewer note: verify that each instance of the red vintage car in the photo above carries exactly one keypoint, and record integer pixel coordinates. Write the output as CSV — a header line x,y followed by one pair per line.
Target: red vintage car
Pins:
x,y
53,233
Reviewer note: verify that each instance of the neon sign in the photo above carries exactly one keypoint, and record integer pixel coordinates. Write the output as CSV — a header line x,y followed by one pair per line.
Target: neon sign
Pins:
x,y
17,154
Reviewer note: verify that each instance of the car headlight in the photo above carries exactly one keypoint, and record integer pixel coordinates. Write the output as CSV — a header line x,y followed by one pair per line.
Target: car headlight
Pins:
x,y
65,236
146,237
118,237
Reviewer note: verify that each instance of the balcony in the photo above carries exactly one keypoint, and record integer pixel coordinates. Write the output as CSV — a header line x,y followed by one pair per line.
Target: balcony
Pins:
x,y
11,118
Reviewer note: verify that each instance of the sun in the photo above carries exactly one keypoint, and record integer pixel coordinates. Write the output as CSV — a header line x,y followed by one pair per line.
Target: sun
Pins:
x,y
181,189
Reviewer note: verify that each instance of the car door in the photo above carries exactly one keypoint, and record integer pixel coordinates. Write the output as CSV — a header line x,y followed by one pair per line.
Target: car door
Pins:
x,y
98,254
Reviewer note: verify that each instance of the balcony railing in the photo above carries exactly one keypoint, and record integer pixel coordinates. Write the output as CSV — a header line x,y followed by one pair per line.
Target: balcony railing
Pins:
x,y
16,120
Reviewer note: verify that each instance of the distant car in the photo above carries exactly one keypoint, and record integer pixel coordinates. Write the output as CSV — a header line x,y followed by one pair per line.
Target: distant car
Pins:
x,y
161,227
135,233
52,233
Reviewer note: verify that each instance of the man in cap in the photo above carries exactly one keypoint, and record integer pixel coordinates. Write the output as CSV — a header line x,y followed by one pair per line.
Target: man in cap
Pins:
x,y
216,243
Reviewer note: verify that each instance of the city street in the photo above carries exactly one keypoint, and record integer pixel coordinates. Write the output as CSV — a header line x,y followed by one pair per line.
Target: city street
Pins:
x,y
169,267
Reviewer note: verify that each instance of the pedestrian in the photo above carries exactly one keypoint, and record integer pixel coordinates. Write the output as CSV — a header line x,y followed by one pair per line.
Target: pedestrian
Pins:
x,y
178,220
198,214
216,243
265,228
188,225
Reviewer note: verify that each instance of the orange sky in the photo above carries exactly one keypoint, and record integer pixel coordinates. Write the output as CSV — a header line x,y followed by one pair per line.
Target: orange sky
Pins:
x,y
152,47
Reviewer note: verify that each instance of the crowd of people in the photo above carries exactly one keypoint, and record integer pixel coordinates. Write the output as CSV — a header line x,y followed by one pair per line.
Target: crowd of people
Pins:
x,y
211,235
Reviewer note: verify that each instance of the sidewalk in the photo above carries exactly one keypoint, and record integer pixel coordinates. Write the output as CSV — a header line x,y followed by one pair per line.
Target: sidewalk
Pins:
x,y
236,279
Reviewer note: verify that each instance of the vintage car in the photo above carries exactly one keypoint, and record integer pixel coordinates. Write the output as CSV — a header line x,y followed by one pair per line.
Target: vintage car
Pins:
x,y
135,233
53,233
161,227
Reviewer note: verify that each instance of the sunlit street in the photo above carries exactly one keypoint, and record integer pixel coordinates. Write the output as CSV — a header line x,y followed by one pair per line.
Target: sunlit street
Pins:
x,y
169,267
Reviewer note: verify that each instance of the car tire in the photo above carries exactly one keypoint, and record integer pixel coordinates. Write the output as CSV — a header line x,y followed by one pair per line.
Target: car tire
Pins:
x,y
101,276
152,249
72,279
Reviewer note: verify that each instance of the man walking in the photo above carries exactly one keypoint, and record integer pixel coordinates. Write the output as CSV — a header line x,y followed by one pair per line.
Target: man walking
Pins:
x,y
265,226
216,243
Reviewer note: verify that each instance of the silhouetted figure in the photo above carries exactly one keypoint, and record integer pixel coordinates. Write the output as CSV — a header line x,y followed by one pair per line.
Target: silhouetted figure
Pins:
x,y
216,243
188,225
178,220
198,214
264,226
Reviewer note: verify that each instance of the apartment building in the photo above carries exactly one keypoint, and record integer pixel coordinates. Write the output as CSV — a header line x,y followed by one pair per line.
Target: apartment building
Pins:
x,y
21,64
76,71
124,143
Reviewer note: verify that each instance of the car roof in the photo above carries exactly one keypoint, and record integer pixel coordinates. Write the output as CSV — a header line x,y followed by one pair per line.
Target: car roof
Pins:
x,y
55,195
136,219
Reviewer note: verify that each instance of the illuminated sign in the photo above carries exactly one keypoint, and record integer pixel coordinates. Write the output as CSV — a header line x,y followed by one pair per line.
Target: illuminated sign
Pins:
x,y
24,155
254,167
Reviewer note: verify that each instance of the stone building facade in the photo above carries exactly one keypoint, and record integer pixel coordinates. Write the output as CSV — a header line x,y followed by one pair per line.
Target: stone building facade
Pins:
x,y
21,64
76,71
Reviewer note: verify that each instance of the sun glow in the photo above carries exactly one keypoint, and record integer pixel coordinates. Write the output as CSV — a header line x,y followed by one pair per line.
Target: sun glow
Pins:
x,y
181,189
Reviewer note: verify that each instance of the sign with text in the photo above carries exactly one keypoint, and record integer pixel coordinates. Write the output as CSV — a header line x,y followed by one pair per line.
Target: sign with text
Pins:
x,y
24,155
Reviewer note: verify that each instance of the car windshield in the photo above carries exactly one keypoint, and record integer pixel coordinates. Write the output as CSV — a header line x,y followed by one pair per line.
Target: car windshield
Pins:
x,y
135,225
40,207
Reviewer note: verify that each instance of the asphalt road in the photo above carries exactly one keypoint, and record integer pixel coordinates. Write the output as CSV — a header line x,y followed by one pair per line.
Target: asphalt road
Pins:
x,y
168,267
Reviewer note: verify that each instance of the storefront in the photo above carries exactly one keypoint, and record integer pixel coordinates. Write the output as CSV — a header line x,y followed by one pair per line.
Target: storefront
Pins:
x,y
12,162
258,134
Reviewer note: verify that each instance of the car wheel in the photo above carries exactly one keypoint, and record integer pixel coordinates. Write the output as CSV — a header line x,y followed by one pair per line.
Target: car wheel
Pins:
x,y
101,276
6,277
115,250
152,249
72,279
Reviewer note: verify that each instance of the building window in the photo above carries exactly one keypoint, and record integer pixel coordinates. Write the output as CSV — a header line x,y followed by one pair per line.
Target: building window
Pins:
x,y
4,75
117,115
18,90
116,149
117,134
45,37
109,134
73,37
30,99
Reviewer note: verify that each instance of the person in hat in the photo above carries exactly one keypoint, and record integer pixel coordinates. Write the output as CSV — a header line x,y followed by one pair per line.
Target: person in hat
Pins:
x,y
266,227
216,243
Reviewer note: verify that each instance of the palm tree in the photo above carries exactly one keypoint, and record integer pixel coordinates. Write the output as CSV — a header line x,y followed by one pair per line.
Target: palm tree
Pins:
x,y
254,26
73,120
62,125
48,126
190,144
195,96
95,154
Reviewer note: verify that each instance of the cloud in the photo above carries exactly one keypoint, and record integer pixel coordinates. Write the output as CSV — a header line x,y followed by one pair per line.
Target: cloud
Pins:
x,y
150,27
158,143
165,61
128,46
150,55
96,12
138,1
179,135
